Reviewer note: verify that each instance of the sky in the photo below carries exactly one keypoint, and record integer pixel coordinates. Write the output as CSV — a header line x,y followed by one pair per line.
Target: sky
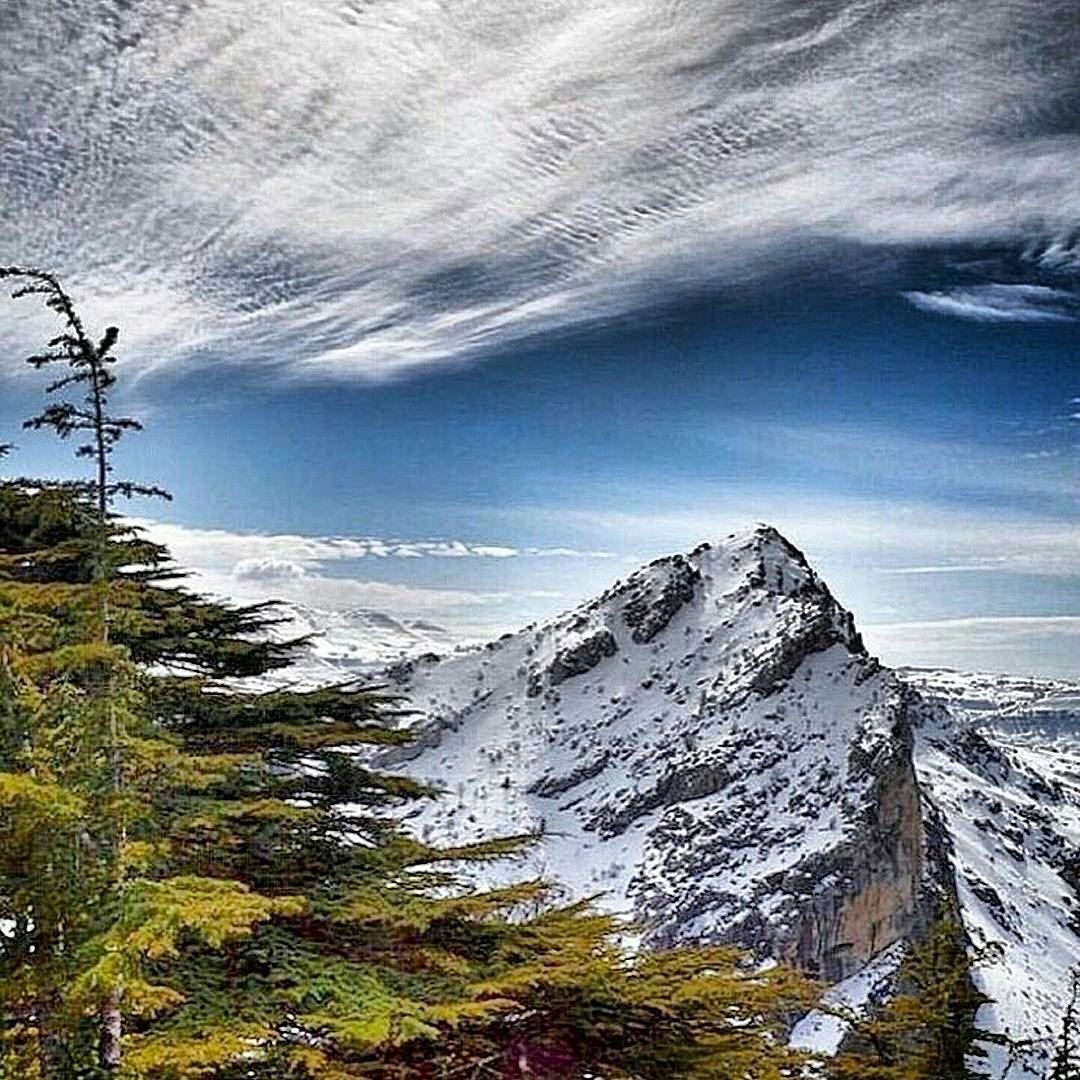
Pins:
x,y
461,310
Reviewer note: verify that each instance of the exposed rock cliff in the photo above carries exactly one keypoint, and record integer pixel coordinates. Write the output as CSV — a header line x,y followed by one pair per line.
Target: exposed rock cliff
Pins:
x,y
710,747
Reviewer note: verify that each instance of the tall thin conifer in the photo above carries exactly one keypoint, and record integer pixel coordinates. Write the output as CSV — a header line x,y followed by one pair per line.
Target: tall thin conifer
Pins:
x,y
89,365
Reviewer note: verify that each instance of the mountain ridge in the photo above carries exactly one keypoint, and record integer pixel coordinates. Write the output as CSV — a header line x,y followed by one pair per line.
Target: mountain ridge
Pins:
x,y
631,723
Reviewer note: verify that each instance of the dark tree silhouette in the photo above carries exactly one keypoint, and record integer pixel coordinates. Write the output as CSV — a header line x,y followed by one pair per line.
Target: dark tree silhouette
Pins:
x,y
89,364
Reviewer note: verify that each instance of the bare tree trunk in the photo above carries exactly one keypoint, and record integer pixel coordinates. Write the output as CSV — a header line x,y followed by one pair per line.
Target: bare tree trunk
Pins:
x,y
110,1050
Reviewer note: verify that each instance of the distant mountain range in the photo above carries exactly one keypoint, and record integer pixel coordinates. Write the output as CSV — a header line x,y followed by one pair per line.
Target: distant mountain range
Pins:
x,y
357,642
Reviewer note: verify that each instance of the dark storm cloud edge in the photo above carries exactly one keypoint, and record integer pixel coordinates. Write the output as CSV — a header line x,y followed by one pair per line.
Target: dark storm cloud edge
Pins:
x,y
359,190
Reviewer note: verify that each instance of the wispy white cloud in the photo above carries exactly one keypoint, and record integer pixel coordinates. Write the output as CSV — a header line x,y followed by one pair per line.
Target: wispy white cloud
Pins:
x,y
268,569
1012,624
961,468
976,568
328,593
848,531
1000,303
408,182
252,554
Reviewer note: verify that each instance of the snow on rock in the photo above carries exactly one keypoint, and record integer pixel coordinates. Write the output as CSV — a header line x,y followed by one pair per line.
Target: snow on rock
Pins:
x,y
709,747
1002,763
823,1031
707,744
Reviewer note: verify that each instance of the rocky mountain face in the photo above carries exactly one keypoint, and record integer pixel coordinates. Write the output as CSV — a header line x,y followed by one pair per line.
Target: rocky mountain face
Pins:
x,y
708,744
710,749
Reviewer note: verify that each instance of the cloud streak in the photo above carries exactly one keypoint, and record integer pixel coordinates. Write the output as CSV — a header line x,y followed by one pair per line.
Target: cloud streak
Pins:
x,y
977,568
876,535
1015,644
410,183
1000,303
341,573
251,554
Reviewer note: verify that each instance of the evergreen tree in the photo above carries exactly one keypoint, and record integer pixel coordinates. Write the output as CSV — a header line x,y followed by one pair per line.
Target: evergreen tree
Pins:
x,y
927,1030
88,365
269,931
218,866
81,736
1066,1065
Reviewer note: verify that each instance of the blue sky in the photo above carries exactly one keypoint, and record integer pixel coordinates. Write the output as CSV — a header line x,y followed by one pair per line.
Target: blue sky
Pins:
x,y
463,325
927,463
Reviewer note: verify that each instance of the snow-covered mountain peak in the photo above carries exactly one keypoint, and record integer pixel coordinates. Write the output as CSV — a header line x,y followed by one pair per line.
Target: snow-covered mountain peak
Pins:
x,y
758,558
703,743
709,746
750,603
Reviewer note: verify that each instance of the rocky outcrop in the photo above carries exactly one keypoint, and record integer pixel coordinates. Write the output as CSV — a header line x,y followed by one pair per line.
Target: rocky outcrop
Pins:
x,y
582,657
547,787
818,632
832,911
868,893
653,604
677,786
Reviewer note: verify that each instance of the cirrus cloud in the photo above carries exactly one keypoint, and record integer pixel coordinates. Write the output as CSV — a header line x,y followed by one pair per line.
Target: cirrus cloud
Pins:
x,y
1000,303
411,182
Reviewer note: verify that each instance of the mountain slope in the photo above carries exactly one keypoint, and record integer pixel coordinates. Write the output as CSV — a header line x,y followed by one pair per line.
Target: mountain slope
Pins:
x,y
708,744
1003,766
710,747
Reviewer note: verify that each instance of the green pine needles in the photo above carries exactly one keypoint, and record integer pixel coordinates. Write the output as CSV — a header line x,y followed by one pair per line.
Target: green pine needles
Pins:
x,y
204,878
273,920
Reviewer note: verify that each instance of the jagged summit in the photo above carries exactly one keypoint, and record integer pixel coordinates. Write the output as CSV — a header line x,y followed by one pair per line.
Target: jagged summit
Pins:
x,y
703,743
759,557
709,745
752,595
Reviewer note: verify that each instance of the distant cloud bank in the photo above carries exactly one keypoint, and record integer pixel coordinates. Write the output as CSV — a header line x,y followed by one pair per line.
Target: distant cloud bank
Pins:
x,y
324,572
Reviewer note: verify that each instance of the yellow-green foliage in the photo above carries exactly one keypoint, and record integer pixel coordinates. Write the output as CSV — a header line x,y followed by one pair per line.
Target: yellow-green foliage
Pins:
x,y
183,850
926,1031
92,786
